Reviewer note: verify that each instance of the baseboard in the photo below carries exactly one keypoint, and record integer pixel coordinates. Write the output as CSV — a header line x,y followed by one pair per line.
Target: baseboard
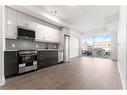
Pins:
x,y
121,77
2,82
114,59
74,56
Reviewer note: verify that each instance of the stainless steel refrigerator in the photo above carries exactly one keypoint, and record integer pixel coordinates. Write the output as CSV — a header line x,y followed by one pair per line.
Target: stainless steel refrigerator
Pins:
x,y
66,48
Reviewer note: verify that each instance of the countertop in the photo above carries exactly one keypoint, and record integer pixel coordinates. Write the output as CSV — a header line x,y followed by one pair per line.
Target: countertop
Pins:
x,y
47,49
10,50
38,50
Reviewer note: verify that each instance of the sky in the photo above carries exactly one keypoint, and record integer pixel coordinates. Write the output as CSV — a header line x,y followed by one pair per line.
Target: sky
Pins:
x,y
98,38
104,37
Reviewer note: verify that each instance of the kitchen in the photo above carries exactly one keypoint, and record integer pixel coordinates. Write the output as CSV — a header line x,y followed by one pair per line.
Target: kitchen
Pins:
x,y
32,44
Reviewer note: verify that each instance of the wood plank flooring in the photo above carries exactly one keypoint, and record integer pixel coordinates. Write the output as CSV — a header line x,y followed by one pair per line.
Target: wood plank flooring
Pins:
x,y
80,73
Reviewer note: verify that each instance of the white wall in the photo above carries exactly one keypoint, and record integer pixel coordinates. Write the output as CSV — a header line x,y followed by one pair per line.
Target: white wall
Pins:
x,y
1,48
74,44
113,29
114,46
122,47
96,31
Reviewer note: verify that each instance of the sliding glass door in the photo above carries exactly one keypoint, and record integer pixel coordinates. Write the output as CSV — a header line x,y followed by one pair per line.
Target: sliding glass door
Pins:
x,y
96,45
87,46
102,45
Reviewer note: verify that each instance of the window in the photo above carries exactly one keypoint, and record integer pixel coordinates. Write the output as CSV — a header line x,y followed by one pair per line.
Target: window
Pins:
x,y
97,45
102,45
87,45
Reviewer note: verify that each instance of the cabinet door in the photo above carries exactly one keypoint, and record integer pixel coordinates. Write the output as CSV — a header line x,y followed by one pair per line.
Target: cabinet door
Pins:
x,y
56,35
32,23
11,31
40,32
48,34
53,35
22,19
47,58
5,22
10,63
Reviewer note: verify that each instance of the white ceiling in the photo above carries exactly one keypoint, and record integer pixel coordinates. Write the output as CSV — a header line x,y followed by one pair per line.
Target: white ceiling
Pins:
x,y
84,18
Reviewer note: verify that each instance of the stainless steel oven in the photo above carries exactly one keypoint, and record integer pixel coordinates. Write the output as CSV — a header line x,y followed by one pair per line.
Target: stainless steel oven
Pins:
x,y
27,60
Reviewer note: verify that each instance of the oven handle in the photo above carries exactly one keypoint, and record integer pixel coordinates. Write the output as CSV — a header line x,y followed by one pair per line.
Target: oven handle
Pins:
x,y
29,55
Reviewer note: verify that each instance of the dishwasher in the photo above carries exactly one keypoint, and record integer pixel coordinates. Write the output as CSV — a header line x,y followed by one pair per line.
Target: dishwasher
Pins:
x,y
60,56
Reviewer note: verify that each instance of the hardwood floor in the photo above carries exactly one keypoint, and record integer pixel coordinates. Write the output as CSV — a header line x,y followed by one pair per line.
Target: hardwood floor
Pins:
x,y
79,73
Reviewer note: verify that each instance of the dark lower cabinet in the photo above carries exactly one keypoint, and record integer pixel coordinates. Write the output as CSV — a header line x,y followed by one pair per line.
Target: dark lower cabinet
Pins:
x,y
10,63
44,59
47,58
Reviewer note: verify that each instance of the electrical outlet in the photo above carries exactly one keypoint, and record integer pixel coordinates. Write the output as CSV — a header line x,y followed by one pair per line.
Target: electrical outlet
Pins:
x,y
37,46
13,45
55,46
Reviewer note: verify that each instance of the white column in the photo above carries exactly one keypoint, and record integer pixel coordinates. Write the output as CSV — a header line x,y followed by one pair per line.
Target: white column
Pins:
x,y
2,80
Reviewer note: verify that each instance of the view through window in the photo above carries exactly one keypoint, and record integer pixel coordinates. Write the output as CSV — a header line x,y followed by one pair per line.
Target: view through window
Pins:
x,y
97,45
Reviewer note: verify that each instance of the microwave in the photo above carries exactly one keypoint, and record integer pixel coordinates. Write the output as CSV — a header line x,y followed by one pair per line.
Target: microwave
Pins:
x,y
25,33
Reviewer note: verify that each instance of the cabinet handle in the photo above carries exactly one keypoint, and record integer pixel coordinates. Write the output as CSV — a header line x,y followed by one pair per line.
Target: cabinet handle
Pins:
x,y
16,54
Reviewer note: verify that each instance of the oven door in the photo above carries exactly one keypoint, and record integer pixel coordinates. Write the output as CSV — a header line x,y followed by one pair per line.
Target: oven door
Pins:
x,y
27,63
28,59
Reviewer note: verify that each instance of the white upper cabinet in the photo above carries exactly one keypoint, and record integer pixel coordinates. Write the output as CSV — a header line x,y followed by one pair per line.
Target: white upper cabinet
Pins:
x,y
10,23
48,34
22,19
57,35
40,32
14,18
5,22
31,21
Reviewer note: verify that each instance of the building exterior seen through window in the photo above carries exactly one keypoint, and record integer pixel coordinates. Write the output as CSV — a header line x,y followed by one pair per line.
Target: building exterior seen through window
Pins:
x,y
96,45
